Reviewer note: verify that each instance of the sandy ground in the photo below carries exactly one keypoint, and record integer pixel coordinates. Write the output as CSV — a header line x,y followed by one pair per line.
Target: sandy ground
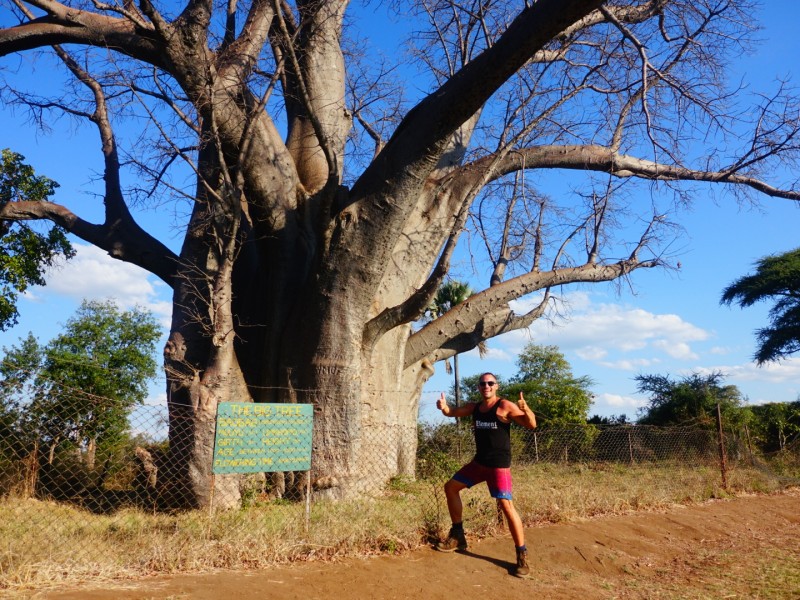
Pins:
x,y
746,547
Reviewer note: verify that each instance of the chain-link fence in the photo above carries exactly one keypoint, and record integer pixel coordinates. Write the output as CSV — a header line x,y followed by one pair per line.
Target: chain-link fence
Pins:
x,y
162,494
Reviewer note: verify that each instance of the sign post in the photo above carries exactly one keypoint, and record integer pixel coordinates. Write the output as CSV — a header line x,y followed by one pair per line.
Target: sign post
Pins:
x,y
260,438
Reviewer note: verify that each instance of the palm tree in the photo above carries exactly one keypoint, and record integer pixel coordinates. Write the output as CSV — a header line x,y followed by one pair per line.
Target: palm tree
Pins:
x,y
449,295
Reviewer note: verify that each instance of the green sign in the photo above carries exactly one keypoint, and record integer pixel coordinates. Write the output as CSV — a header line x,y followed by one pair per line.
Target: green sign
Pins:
x,y
256,438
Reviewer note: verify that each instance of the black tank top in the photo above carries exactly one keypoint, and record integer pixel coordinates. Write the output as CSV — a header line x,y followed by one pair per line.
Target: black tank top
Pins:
x,y
492,438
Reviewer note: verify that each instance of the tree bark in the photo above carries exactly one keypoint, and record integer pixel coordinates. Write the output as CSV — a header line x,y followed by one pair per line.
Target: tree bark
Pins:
x,y
291,286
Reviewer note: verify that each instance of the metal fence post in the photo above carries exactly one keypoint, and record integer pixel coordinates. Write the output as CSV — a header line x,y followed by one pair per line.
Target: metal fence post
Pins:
x,y
722,463
630,446
308,501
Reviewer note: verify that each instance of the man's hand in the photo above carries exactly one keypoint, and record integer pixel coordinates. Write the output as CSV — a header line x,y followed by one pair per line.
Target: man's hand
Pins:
x,y
441,404
529,420
522,404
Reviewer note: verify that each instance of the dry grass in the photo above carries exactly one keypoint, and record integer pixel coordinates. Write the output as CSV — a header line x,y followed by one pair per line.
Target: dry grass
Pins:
x,y
45,543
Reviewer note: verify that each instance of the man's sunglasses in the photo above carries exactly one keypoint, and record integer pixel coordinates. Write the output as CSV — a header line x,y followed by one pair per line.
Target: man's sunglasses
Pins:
x,y
487,383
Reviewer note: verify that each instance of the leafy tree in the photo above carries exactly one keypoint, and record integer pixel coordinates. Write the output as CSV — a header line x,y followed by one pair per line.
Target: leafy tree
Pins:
x,y
17,372
690,401
25,253
470,384
327,198
775,424
77,391
613,420
777,278
545,377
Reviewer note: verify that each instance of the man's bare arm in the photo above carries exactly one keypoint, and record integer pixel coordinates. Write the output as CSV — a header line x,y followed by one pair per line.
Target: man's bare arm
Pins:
x,y
523,415
453,411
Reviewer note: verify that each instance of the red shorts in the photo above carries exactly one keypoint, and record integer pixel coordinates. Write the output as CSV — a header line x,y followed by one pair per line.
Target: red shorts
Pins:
x,y
497,479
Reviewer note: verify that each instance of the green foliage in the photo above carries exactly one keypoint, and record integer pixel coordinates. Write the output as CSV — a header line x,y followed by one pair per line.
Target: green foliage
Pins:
x,y
691,401
77,391
16,368
470,385
24,252
545,378
447,296
775,425
442,449
17,372
612,421
777,278
550,389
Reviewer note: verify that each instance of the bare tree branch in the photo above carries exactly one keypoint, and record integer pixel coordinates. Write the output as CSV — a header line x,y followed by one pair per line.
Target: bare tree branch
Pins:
x,y
65,25
468,315
603,159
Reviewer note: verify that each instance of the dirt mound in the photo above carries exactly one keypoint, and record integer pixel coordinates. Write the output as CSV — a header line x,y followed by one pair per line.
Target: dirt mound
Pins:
x,y
747,547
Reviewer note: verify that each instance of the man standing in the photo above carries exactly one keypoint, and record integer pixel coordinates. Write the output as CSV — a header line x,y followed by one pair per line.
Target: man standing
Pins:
x,y
491,420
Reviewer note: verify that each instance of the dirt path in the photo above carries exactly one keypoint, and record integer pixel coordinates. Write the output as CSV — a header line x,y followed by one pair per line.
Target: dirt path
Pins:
x,y
748,547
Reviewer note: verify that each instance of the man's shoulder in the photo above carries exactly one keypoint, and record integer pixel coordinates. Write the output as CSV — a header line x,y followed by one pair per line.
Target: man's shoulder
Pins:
x,y
506,406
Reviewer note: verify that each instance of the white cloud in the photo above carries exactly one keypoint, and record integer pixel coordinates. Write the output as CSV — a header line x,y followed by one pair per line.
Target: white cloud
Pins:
x,y
574,301
680,350
492,353
720,350
615,401
515,341
93,275
786,371
592,332
631,364
591,353
624,328
163,312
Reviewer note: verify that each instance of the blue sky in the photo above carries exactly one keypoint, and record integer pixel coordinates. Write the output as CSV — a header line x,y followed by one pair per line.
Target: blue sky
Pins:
x,y
664,323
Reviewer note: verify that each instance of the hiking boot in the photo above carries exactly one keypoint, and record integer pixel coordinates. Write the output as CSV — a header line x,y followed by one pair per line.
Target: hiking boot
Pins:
x,y
456,540
522,569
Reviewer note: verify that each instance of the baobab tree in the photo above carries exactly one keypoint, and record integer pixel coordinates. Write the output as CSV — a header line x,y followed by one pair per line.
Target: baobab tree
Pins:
x,y
326,204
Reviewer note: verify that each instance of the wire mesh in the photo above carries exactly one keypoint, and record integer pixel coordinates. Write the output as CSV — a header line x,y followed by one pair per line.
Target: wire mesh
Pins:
x,y
78,500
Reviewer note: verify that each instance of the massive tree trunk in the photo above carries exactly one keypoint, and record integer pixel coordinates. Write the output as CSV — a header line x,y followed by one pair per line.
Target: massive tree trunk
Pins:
x,y
291,286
